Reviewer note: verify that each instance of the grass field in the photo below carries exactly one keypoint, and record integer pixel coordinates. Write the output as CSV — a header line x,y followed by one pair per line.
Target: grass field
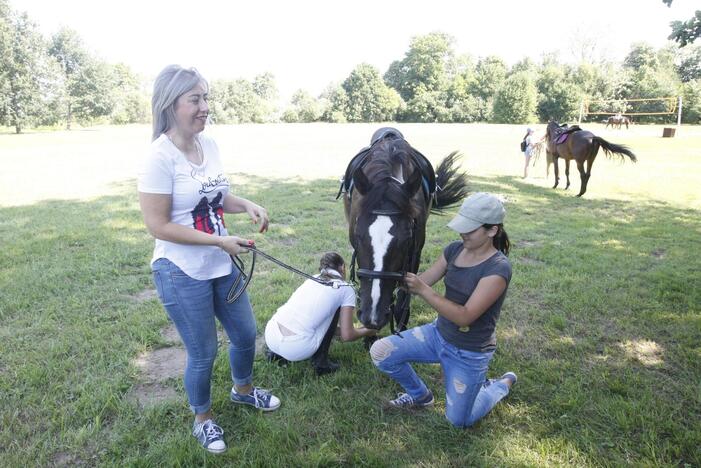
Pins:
x,y
602,321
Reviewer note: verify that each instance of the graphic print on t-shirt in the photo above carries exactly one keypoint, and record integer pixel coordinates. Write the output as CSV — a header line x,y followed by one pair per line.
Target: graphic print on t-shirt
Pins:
x,y
209,216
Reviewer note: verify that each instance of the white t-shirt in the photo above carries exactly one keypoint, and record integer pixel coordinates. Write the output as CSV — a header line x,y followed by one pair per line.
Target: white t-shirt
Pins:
x,y
530,141
312,305
197,202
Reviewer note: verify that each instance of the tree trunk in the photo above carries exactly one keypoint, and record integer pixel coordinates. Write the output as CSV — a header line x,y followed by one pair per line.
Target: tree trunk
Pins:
x,y
18,128
68,117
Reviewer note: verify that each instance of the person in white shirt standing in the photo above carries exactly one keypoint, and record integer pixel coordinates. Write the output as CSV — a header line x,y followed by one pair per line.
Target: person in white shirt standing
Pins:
x,y
304,326
184,192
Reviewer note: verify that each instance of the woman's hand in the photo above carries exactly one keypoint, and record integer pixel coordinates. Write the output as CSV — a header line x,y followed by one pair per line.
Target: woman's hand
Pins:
x,y
234,245
258,214
415,285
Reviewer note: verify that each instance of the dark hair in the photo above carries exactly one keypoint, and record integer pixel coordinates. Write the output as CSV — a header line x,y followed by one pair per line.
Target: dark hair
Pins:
x,y
501,239
330,260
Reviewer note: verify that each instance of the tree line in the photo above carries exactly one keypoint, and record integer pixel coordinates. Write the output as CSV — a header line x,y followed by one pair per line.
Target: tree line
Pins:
x,y
57,81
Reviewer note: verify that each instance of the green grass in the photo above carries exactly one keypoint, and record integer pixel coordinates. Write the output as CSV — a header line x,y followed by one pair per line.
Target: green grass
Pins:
x,y
602,321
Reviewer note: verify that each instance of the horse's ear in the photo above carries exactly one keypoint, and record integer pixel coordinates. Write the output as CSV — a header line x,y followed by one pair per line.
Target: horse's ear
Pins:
x,y
361,182
414,183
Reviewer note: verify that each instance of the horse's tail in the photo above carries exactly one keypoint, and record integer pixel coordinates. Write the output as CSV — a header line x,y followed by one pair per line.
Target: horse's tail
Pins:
x,y
451,185
612,148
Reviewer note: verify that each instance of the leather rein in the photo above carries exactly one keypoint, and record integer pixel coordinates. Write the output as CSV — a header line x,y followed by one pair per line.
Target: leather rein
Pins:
x,y
235,291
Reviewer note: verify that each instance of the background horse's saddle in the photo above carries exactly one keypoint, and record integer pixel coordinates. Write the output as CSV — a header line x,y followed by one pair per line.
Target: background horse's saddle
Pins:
x,y
428,175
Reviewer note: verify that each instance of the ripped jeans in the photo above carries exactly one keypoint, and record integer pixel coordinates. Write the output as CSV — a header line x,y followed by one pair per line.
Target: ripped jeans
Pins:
x,y
469,395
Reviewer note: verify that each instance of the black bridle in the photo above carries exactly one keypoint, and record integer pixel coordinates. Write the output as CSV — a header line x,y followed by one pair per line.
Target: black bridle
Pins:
x,y
235,291
396,276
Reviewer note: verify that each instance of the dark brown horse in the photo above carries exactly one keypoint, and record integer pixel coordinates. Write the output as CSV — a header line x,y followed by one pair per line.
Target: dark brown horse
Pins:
x,y
390,189
581,145
616,121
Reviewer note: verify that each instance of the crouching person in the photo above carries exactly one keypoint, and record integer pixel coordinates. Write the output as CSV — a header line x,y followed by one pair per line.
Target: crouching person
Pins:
x,y
304,326
476,273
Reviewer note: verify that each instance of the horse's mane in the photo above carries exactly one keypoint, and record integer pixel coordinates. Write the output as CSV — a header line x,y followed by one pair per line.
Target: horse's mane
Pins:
x,y
384,187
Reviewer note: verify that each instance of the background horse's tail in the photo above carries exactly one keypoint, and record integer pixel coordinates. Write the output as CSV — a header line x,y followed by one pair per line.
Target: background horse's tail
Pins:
x,y
612,148
453,184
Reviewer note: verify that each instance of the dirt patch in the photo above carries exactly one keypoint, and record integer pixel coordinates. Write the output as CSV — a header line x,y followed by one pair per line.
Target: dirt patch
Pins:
x,y
145,295
530,261
148,395
171,336
260,345
647,353
659,253
528,243
64,459
158,366
161,364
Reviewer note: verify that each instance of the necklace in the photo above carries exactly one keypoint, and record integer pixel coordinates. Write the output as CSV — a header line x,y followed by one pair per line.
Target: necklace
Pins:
x,y
197,169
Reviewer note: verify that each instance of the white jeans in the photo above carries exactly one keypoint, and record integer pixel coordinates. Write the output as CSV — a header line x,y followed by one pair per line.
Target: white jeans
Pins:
x,y
292,347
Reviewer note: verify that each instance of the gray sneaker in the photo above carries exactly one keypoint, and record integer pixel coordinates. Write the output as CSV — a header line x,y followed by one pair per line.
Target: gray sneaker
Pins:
x,y
404,400
210,436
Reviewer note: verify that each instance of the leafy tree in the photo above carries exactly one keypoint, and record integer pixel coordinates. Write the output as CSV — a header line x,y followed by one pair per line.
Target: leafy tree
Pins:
x,y
689,67
304,108
334,102
264,86
425,66
131,105
490,74
559,97
685,32
87,79
515,101
369,98
428,106
25,83
641,55
243,101
650,74
691,98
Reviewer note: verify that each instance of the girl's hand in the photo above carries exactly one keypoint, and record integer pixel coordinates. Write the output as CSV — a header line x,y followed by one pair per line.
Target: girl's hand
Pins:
x,y
368,331
258,215
414,284
234,245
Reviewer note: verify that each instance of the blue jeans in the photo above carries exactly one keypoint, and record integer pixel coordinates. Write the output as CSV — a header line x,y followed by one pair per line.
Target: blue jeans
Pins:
x,y
469,395
192,305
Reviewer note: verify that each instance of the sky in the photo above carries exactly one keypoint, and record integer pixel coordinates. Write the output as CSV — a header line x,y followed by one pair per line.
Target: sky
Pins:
x,y
308,44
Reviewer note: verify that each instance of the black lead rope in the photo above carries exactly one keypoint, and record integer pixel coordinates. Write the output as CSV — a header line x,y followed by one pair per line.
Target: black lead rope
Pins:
x,y
235,292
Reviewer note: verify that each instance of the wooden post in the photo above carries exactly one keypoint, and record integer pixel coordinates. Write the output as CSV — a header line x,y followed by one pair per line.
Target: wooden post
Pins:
x,y
581,111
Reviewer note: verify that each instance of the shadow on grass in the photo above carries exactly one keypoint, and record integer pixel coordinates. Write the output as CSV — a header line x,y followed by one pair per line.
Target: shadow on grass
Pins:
x,y
601,323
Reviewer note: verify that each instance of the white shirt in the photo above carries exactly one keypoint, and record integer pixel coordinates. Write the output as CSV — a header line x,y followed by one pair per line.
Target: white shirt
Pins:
x,y
312,306
197,194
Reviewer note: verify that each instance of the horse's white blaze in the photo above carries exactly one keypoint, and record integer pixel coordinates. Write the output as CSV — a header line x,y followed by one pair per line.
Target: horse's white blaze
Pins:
x,y
380,239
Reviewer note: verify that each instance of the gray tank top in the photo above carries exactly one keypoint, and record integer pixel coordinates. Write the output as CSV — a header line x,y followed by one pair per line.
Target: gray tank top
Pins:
x,y
460,282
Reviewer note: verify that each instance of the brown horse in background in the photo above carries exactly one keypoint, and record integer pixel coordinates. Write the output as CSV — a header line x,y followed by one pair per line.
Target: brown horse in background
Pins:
x,y
581,145
617,120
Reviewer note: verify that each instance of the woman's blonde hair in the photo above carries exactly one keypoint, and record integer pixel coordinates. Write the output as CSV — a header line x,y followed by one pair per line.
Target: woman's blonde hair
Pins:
x,y
171,83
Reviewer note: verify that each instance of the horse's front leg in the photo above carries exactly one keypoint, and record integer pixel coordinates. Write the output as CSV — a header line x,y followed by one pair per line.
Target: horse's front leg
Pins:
x,y
583,178
567,173
556,170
